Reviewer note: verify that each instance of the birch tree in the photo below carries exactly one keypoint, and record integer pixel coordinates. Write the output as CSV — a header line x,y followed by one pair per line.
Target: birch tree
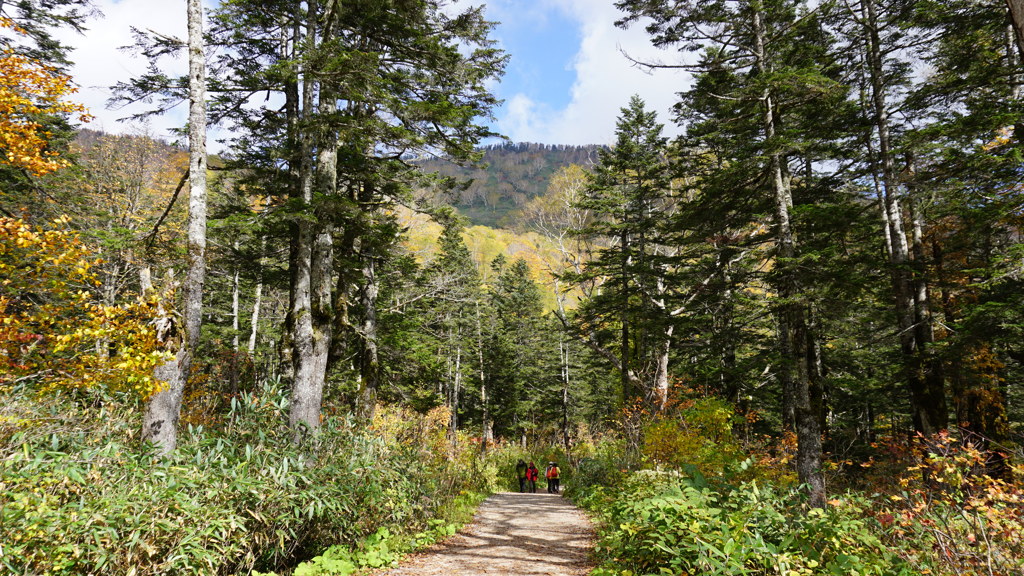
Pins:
x,y
163,410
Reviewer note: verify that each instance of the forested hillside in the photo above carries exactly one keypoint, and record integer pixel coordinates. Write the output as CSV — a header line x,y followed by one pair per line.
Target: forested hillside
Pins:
x,y
788,341
493,191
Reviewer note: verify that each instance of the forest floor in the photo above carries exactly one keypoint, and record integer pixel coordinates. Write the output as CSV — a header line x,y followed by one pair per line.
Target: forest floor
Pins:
x,y
512,533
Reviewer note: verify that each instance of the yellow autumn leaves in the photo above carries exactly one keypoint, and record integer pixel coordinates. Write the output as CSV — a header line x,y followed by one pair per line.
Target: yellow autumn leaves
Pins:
x,y
29,89
54,334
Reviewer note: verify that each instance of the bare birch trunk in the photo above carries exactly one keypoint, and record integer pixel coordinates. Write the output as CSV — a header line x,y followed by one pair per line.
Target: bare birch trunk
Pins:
x,y
661,377
254,322
235,310
160,420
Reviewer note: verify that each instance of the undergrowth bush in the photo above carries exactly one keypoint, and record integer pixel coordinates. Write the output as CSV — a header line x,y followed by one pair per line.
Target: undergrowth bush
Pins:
x,y
698,433
912,511
669,523
947,516
78,495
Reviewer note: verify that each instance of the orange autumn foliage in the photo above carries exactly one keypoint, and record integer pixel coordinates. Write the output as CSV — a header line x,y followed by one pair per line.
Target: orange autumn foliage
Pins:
x,y
27,90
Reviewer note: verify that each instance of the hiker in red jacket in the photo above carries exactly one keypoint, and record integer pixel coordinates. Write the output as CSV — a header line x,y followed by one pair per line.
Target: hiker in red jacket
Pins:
x,y
531,476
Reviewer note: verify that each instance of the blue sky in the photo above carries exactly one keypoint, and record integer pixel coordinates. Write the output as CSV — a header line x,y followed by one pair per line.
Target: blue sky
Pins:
x,y
565,82
542,45
568,77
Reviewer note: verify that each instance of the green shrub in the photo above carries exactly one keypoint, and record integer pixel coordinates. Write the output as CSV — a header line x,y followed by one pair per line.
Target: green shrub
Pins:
x,y
666,523
601,464
698,433
78,495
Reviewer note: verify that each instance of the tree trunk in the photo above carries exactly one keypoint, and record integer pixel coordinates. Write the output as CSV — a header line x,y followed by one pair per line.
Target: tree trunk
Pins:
x,y
254,322
298,167
160,420
925,383
455,382
346,293
304,412
315,320
486,428
793,328
722,322
661,377
934,379
370,362
624,333
563,348
236,311
1017,21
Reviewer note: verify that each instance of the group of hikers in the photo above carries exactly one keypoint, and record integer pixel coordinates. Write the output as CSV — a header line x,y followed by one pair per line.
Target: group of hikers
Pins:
x,y
528,475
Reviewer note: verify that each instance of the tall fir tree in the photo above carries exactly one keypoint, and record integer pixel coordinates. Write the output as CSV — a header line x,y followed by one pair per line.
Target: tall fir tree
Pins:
x,y
628,195
765,85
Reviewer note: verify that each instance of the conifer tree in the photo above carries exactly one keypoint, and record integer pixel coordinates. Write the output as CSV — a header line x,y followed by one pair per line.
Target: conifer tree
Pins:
x,y
363,84
518,342
965,168
764,83
627,196
457,290
879,33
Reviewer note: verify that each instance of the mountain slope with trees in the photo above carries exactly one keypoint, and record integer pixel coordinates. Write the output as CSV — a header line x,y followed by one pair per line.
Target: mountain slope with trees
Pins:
x,y
507,176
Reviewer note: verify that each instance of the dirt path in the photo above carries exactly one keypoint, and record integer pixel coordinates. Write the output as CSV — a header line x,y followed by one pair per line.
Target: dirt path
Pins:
x,y
512,533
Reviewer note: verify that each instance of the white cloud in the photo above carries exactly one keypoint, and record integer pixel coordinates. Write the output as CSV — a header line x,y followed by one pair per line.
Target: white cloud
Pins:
x,y
604,77
605,80
99,64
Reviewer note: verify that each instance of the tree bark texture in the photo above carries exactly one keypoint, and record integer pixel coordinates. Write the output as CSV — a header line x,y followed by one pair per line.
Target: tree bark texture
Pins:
x,y
1017,20
254,321
236,310
793,331
370,359
314,310
304,415
160,419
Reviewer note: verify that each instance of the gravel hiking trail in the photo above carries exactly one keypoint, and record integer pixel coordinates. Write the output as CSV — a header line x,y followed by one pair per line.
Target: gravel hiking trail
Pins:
x,y
512,533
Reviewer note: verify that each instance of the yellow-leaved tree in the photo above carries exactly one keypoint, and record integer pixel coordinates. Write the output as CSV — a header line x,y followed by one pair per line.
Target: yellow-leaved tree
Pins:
x,y
29,89
54,333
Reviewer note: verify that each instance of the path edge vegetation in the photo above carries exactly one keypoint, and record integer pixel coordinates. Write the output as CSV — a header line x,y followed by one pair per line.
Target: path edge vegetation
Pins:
x,y
696,497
